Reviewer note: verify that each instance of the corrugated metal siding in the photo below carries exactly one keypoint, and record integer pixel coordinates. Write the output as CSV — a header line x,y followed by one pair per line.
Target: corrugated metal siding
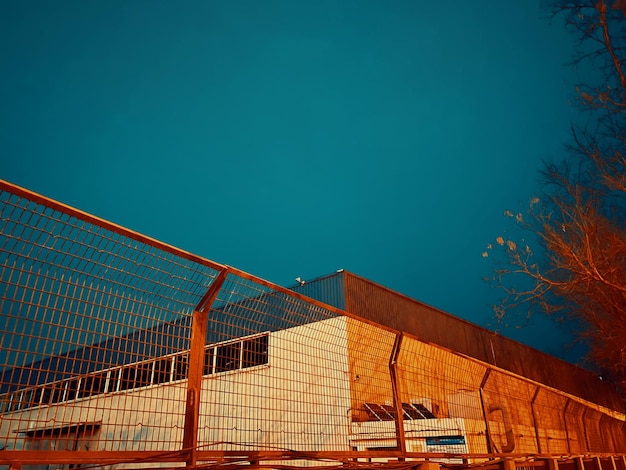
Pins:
x,y
379,304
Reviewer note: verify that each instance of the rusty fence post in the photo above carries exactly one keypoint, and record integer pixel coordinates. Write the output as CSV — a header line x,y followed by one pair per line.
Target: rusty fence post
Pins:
x,y
397,401
508,464
484,410
196,364
567,436
535,420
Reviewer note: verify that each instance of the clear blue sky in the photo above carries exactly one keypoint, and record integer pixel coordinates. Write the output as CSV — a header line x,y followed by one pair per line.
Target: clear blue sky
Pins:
x,y
292,138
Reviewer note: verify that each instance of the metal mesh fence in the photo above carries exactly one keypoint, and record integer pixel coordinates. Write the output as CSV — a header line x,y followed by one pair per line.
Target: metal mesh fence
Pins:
x,y
118,350
275,374
90,316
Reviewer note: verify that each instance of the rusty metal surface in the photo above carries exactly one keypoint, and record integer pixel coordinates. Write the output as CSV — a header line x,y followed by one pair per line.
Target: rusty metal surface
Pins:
x,y
377,303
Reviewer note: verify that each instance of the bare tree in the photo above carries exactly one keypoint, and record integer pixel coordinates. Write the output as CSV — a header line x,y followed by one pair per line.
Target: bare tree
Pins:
x,y
578,271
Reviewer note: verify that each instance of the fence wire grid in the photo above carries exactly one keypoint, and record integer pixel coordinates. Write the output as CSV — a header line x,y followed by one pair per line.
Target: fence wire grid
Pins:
x,y
117,350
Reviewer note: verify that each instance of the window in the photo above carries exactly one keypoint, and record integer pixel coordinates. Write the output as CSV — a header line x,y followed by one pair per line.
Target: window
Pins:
x,y
71,389
227,357
27,399
143,376
181,366
56,392
36,400
93,385
236,355
46,392
255,351
162,370
114,379
21,400
221,357
127,377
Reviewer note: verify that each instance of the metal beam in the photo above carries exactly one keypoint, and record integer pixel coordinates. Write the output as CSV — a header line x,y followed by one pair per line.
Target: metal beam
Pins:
x,y
397,401
196,364
534,413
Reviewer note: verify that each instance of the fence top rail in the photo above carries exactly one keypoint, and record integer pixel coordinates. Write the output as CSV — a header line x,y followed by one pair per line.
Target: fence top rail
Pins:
x,y
152,242
77,213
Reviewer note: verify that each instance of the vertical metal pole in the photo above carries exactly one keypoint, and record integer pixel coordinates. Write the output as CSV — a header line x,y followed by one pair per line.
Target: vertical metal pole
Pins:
x,y
569,444
393,362
534,412
586,434
508,464
607,424
196,363
482,405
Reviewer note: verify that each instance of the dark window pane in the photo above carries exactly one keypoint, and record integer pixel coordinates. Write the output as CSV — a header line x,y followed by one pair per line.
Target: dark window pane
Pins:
x,y
92,385
27,399
163,370
72,388
227,357
45,394
56,394
144,374
114,378
255,351
181,366
127,379
37,396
